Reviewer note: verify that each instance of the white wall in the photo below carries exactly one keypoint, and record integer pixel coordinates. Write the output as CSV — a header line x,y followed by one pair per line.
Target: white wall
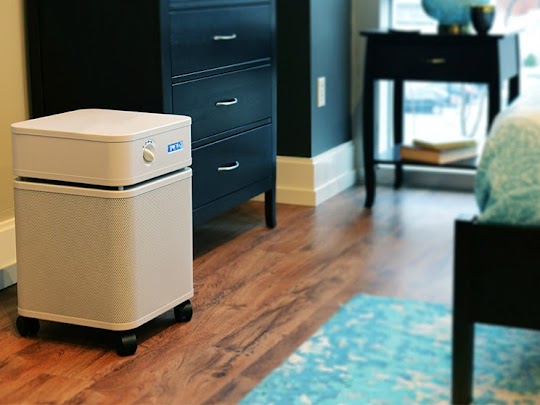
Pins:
x,y
13,108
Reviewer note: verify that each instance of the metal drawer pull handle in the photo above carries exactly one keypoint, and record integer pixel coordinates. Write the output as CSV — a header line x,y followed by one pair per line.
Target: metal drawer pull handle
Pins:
x,y
224,37
436,61
236,165
227,102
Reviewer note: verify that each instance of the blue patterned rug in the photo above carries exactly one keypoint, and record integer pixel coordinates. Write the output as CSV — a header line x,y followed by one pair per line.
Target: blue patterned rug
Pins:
x,y
378,350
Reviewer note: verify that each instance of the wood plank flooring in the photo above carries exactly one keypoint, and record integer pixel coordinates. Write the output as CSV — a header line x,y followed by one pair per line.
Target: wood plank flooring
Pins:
x,y
259,293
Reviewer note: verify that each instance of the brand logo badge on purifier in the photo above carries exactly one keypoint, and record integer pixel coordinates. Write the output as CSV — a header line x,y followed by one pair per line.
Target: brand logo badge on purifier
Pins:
x,y
175,147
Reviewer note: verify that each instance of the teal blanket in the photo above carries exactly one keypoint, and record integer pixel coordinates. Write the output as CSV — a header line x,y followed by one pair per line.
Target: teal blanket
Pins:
x,y
508,177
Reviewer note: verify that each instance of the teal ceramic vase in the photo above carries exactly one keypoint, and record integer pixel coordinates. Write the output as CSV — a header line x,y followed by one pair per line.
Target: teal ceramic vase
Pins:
x,y
453,16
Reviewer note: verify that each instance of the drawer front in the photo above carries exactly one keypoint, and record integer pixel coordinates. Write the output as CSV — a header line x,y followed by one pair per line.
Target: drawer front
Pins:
x,y
223,167
451,62
210,38
226,101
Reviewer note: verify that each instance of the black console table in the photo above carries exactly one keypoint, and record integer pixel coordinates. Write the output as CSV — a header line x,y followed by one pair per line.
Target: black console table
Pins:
x,y
396,56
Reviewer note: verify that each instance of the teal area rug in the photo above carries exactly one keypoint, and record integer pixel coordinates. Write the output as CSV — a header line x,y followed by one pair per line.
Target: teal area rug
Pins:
x,y
378,350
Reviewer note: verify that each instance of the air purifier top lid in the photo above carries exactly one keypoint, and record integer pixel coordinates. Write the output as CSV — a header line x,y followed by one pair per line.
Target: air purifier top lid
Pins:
x,y
101,125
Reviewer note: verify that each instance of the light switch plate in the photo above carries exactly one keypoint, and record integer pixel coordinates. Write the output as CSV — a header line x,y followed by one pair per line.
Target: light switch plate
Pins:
x,y
321,91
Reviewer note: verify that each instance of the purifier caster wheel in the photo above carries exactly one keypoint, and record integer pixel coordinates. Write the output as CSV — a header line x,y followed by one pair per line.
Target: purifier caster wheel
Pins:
x,y
183,312
126,344
27,326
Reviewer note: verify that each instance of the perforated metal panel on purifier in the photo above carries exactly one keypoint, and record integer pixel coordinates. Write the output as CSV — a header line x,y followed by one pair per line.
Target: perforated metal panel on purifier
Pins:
x,y
108,259
103,220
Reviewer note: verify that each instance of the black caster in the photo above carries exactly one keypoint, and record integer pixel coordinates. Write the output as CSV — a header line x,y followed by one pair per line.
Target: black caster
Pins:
x,y
183,312
126,344
27,326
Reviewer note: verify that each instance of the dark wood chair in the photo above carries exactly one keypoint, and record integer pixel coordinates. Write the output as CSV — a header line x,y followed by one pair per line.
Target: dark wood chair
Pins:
x,y
496,281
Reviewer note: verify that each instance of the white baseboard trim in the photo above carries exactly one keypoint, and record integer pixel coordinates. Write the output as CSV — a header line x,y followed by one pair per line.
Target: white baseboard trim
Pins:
x,y
7,243
8,276
8,259
311,181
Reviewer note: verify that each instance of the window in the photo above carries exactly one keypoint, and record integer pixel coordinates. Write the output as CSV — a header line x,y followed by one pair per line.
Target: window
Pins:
x,y
461,108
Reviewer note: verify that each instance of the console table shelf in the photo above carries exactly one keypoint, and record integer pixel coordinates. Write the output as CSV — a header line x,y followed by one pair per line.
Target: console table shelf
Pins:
x,y
391,156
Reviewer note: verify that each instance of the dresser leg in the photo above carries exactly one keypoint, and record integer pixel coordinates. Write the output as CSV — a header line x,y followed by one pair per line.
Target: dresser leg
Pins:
x,y
270,207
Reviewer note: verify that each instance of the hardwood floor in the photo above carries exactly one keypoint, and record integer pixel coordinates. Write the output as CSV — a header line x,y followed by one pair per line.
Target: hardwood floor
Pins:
x,y
259,293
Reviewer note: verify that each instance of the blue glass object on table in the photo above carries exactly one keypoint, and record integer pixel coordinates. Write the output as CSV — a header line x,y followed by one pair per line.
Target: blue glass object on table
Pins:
x,y
453,16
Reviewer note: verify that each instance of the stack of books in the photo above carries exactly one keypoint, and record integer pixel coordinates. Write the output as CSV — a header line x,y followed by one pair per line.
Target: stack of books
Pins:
x,y
439,152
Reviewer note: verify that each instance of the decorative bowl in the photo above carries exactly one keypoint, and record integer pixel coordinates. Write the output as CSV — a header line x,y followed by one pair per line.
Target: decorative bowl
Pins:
x,y
482,18
453,16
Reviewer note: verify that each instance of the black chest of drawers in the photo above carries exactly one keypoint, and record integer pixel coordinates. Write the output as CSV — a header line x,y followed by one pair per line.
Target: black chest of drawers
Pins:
x,y
213,60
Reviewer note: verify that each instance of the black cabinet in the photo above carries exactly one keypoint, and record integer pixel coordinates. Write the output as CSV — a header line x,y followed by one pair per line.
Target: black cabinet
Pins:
x,y
213,60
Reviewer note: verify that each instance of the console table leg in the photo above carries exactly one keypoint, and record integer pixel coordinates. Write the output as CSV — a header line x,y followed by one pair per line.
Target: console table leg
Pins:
x,y
398,128
513,84
398,175
368,134
494,101
369,174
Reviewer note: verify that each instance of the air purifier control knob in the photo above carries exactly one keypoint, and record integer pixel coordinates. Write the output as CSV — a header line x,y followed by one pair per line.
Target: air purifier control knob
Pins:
x,y
148,153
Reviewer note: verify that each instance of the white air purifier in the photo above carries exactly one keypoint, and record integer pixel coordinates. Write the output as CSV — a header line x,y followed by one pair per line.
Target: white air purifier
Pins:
x,y
103,220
